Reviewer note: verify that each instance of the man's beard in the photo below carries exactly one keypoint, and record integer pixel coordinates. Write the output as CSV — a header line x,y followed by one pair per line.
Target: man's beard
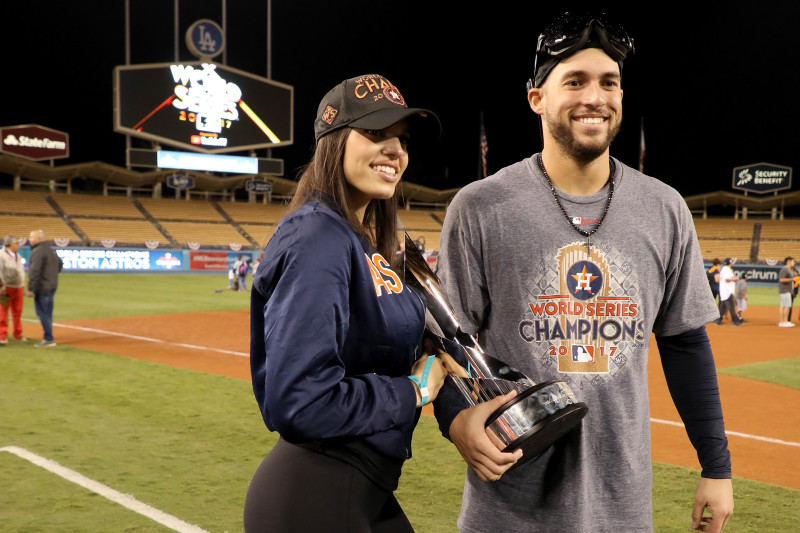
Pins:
x,y
572,147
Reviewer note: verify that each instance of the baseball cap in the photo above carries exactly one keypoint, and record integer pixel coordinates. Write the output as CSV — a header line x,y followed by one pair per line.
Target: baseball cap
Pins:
x,y
727,261
372,102
570,33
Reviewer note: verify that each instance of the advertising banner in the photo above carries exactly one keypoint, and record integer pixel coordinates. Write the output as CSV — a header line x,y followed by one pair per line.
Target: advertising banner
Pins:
x,y
129,260
35,142
210,261
762,178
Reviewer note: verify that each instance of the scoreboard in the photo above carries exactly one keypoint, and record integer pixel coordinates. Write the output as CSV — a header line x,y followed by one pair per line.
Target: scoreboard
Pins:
x,y
202,106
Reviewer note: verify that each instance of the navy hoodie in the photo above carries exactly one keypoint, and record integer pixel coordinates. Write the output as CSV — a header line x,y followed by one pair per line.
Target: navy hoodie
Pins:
x,y
334,333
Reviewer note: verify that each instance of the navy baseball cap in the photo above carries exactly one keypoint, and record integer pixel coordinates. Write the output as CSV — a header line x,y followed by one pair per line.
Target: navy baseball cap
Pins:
x,y
372,102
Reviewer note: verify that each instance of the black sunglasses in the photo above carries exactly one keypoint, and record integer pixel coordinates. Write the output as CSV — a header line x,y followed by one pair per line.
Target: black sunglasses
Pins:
x,y
569,33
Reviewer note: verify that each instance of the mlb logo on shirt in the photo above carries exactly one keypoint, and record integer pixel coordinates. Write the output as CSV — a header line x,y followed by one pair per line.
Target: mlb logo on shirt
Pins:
x,y
582,353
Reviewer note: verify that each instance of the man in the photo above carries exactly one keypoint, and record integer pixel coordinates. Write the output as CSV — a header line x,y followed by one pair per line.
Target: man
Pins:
x,y
786,279
563,264
727,288
12,283
43,269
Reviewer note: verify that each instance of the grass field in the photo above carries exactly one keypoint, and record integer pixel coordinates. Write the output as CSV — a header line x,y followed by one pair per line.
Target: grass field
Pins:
x,y
186,442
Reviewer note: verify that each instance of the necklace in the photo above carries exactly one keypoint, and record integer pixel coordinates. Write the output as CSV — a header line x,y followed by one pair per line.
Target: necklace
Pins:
x,y
587,234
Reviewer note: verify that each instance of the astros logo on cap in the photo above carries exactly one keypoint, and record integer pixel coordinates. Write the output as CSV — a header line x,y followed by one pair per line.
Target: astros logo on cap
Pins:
x,y
393,95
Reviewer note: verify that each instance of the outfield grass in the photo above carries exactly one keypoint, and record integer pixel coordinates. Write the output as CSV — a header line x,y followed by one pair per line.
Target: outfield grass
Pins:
x,y
187,442
89,296
757,295
784,372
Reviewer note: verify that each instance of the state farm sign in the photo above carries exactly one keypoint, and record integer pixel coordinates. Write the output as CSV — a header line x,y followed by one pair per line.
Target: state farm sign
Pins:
x,y
35,142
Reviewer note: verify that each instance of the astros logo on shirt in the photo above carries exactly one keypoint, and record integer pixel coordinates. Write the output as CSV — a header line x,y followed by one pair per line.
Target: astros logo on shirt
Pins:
x,y
584,280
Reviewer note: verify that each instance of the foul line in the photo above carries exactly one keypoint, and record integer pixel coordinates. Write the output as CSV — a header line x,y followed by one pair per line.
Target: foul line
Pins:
x,y
105,491
734,434
150,339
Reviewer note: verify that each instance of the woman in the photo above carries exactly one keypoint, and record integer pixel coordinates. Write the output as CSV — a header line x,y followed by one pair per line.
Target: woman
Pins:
x,y
336,351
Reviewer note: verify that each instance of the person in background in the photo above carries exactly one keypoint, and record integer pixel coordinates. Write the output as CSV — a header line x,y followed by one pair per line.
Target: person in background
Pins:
x,y
786,278
713,277
548,260
44,267
235,268
244,268
727,293
741,296
337,357
795,287
12,283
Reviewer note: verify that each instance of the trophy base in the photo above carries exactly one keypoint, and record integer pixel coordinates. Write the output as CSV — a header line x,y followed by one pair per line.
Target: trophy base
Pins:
x,y
536,418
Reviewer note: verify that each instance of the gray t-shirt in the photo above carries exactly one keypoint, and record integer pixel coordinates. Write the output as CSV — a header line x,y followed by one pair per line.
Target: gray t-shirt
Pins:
x,y
786,286
520,277
741,289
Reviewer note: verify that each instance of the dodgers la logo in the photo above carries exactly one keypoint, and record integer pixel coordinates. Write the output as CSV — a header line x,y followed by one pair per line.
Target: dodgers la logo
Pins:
x,y
584,280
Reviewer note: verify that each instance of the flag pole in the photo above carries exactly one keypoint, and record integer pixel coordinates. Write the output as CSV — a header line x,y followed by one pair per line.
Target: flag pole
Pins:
x,y
484,148
641,146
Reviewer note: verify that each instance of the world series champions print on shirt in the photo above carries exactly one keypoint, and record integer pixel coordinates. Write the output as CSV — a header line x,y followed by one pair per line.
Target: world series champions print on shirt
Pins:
x,y
584,313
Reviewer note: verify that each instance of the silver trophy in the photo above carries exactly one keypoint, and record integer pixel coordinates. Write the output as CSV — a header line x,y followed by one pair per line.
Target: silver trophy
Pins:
x,y
537,416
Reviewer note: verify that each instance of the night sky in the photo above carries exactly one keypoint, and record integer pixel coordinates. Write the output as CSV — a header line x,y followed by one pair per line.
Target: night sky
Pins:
x,y
716,87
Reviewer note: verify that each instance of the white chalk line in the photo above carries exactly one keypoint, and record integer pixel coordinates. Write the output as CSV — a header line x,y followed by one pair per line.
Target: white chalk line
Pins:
x,y
734,434
150,339
240,354
105,491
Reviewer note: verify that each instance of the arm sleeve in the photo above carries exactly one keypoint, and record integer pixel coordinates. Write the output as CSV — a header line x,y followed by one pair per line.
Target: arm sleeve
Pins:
x,y
692,380
299,376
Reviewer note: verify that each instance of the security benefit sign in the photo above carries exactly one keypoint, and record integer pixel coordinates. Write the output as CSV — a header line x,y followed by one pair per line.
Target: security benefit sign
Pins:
x,y
762,178
202,106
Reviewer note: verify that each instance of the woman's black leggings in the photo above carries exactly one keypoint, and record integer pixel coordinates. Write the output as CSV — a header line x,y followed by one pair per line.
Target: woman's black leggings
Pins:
x,y
303,491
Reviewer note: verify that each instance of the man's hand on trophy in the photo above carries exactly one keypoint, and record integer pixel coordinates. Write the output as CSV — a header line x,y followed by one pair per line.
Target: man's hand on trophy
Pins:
x,y
479,448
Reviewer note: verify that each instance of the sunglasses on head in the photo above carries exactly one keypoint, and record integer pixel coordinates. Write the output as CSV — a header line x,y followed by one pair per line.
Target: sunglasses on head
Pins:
x,y
569,33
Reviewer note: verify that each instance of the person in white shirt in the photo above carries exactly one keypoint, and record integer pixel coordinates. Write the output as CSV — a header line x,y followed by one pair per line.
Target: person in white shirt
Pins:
x,y
727,288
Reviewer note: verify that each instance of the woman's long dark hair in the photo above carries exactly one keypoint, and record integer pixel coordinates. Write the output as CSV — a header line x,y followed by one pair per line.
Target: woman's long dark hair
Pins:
x,y
325,174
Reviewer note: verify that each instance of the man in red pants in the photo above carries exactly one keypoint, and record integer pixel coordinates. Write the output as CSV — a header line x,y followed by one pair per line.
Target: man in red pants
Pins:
x,y
12,283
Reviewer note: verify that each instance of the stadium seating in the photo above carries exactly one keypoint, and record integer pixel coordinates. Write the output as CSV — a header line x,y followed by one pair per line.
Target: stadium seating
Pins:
x,y
128,232
261,233
725,237
200,221
172,209
243,212
205,233
27,202
87,205
53,226
418,220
